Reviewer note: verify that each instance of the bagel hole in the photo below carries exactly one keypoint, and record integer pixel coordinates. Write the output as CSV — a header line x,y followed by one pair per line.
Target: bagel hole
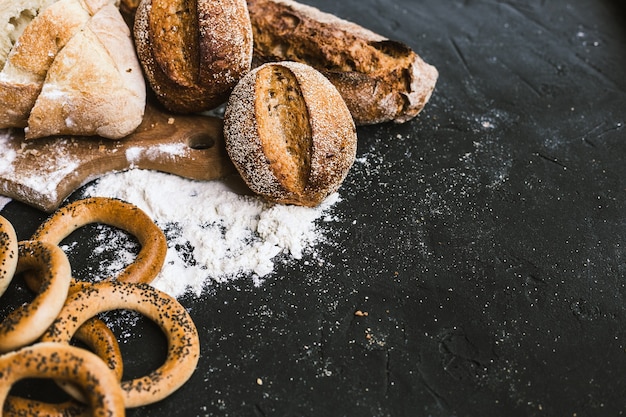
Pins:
x,y
142,342
39,389
16,294
200,141
99,251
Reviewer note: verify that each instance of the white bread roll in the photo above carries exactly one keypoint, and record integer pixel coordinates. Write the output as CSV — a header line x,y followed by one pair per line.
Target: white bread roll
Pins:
x,y
14,17
94,86
73,71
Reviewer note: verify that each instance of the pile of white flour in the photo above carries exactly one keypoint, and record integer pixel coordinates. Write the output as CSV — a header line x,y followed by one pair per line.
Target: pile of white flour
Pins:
x,y
214,232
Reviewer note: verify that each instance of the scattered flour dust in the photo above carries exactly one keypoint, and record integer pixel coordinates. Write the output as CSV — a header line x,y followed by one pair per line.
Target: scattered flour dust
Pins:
x,y
214,232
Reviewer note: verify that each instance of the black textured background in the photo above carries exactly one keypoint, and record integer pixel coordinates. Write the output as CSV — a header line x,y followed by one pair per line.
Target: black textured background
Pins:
x,y
485,240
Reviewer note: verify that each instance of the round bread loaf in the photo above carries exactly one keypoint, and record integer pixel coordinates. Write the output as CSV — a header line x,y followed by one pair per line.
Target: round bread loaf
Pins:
x,y
289,133
193,52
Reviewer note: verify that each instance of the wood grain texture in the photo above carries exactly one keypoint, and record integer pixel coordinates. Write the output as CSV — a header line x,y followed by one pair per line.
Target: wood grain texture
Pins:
x,y
43,172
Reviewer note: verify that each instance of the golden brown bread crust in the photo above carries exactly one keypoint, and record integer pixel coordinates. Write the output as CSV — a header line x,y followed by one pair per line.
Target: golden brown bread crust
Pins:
x,y
380,80
50,32
18,99
289,133
193,52
14,17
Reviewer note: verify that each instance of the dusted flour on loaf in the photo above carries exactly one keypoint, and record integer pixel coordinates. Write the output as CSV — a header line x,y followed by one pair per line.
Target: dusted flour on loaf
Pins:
x,y
289,133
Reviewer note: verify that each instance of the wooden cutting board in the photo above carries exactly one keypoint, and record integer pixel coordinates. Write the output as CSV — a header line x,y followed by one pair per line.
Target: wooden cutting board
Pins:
x,y
43,172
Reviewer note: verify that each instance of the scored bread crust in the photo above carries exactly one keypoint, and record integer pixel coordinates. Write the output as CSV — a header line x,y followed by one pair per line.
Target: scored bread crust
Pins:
x,y
380,80
193,52
304,171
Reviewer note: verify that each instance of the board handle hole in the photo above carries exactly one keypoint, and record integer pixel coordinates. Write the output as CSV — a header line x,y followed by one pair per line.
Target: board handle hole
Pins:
x,y
200,141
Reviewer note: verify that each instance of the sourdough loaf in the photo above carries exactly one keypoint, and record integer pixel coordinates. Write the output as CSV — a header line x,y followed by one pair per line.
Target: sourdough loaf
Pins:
x,y
380,80
193,52
289,133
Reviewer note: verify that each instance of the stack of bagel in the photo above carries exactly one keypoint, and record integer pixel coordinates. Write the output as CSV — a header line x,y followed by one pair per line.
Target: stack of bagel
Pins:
x,y
35,337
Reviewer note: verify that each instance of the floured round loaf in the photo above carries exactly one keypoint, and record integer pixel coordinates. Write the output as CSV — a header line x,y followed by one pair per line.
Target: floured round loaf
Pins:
x,y
193,52
289,133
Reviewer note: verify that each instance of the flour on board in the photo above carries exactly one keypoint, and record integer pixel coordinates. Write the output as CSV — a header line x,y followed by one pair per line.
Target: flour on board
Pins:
x,y
214,231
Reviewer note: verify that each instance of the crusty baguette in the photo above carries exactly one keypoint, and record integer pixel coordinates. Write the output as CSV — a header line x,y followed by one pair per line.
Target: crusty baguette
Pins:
x,y
380,80
289,133
73,71
193,52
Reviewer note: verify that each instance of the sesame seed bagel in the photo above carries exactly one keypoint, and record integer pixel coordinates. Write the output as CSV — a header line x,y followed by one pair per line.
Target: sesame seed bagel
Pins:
x,y
28,322
60,361
8,253
182,335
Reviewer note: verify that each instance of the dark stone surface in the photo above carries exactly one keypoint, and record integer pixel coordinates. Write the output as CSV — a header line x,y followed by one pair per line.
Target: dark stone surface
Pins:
x,y
485,240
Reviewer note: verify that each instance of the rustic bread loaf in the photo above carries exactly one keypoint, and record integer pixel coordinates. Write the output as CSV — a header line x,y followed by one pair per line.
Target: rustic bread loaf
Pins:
x,y
380,80
73,71
14,17
289,133
94,86
193,52
26,65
